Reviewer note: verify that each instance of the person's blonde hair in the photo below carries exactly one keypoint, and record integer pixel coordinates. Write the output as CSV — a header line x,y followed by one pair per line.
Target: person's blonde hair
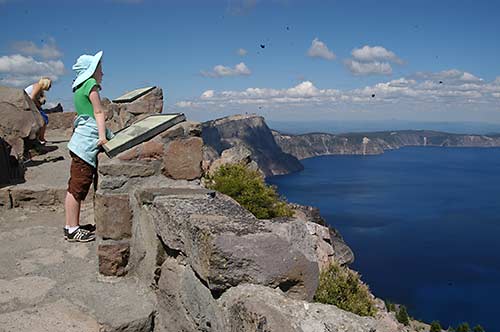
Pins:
x,y
45,83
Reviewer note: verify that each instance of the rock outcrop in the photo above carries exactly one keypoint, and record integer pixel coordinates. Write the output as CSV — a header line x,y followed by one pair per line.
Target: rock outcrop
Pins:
x,y
251,132
319,144
214,266
120,115
20,123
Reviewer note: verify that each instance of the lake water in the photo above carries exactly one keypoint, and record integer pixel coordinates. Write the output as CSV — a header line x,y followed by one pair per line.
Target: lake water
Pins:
x,y
423,222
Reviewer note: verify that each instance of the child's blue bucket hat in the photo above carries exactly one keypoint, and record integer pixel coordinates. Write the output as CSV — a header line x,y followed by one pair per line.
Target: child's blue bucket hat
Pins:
x,y
85,67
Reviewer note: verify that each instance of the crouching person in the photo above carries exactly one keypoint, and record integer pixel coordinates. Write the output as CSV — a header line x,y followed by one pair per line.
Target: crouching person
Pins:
x,y
89,135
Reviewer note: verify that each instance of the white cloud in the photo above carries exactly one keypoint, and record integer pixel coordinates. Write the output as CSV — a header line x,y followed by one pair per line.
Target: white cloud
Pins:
x,y
419,94
374,53
242,52
368,68
449,76
48,50
372,60
207,94
19,70
184,104
221,71
320,50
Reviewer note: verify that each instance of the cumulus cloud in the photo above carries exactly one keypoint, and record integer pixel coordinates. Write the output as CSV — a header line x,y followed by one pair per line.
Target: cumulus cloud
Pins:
x,y
450,76
372,60
20,70
374,53
242,52
368,68
319,49
48,50
415,91
222,71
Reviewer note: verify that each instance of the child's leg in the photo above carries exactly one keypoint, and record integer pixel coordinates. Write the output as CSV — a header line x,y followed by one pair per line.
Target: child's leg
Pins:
x,y
81,178
42,132
72,207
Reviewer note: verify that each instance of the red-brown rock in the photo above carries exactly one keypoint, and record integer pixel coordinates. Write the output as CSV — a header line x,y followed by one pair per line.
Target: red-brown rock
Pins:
x,y
144,151
182,159
113,258
113,216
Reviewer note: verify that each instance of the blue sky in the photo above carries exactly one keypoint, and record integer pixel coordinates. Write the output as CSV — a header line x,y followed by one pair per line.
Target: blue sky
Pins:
x,y
322,60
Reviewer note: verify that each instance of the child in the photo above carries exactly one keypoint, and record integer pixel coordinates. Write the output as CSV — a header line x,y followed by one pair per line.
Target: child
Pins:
x,y
89,134
36,92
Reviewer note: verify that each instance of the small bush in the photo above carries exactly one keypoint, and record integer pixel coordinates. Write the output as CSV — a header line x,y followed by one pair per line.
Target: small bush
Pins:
x,y
249,189
436,327
341,287
390,306
464,327
478,328
402,316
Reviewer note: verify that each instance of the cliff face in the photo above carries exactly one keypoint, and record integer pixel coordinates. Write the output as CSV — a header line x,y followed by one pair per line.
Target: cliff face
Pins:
x,y
253,133
318,144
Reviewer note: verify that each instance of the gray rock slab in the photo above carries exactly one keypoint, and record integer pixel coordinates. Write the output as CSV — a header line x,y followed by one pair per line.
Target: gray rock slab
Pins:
x,y
184,303
60,316
251,308
41,273
226,245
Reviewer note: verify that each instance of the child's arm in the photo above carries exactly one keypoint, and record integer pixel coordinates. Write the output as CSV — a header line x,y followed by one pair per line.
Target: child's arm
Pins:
x,y
99,115
35,95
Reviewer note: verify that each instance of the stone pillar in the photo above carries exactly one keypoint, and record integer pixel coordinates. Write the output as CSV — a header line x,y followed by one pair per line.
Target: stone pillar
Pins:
x,y
113,219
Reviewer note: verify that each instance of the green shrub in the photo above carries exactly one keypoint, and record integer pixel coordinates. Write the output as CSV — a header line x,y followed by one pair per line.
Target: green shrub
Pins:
x,y
435,326
464,327
478,328
402,316
341,287
390,306
249,189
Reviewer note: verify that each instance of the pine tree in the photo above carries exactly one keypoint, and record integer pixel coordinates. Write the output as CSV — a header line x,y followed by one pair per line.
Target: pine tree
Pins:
x,y
402,316
464,327
478,328
435,326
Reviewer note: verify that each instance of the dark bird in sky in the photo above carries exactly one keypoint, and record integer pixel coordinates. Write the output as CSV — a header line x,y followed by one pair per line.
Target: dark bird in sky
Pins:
x,y
262,46
373,95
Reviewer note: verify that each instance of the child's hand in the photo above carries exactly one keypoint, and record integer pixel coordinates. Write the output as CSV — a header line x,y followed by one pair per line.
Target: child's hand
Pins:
x,y
102,141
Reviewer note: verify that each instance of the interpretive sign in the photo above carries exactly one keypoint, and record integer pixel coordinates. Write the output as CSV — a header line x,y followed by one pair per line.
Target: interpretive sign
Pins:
x,y
133,95
141,131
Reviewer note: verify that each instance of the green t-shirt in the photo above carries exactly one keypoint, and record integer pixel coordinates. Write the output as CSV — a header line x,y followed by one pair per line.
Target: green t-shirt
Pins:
x,y
83,105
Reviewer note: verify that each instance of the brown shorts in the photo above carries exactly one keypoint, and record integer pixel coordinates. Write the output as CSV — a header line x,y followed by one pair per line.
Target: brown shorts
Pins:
x,y
82,175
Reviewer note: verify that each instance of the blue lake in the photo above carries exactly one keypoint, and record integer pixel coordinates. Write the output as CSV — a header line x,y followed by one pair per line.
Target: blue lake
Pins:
x,y
423,222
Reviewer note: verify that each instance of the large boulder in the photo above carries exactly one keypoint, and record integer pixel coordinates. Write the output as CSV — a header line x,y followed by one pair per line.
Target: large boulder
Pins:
x,y
238,154
184,303
325,237
250,308
226,245
21,121
20,118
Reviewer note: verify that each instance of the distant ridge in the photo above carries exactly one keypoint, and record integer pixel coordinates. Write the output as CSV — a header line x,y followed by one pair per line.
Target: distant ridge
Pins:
x,y
369,143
